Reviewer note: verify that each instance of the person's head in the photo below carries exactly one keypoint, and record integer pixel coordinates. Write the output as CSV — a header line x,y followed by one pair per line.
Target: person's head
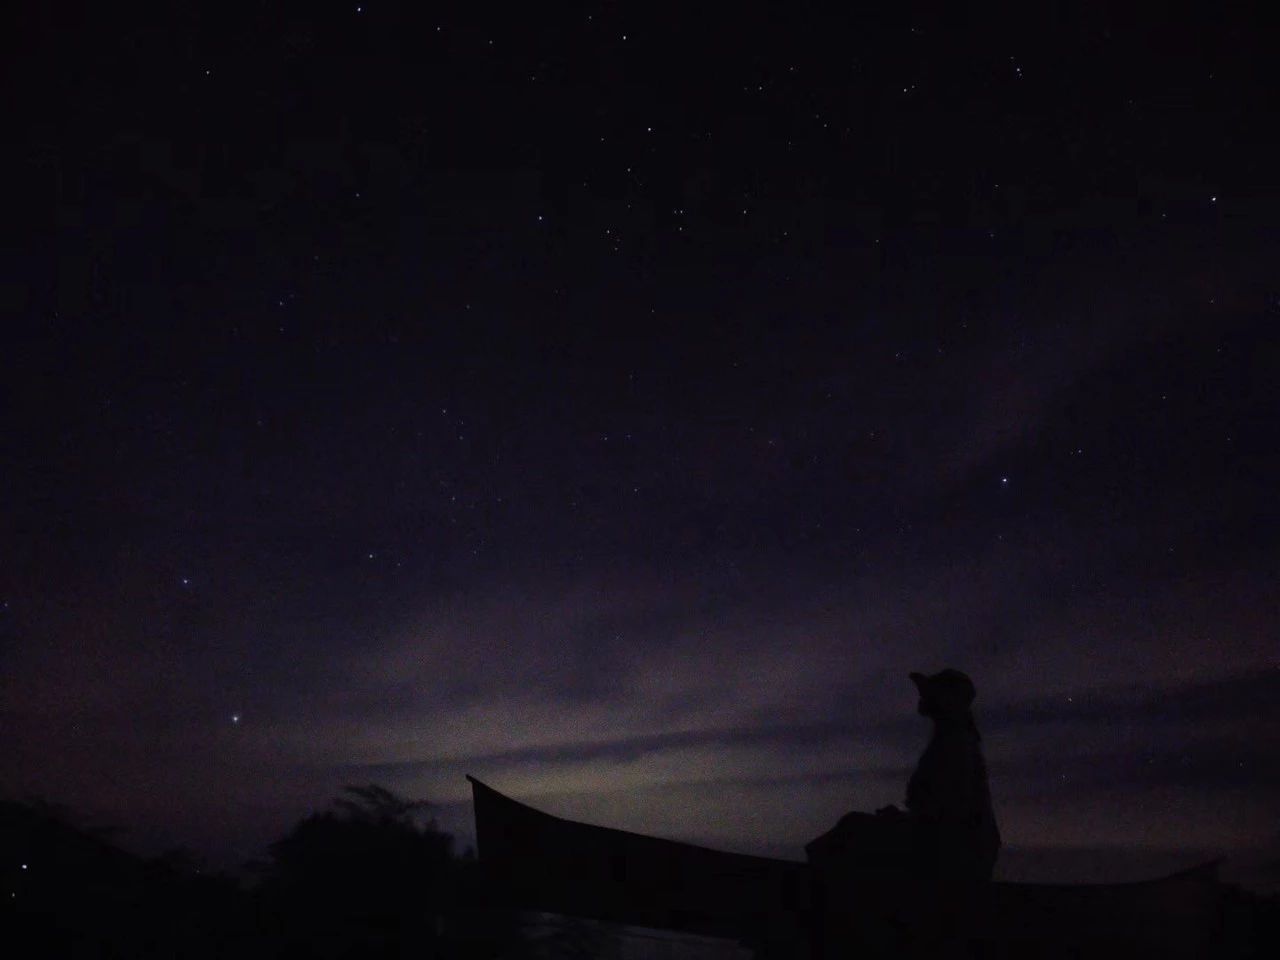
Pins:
x,y
945,695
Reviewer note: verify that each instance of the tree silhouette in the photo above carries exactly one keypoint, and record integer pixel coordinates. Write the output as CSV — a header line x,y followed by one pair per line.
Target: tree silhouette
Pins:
x,y
372,834
377,804
370,878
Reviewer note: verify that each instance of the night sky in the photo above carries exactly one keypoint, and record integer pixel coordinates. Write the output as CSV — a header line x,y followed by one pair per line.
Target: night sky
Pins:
x,y
615,402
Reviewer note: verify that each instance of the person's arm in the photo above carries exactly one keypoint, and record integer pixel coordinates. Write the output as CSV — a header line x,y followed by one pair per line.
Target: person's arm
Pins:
x,y
943,788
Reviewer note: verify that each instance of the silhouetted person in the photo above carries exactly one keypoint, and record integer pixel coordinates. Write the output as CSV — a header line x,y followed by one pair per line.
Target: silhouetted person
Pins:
x,y
955,837
949,793
909,882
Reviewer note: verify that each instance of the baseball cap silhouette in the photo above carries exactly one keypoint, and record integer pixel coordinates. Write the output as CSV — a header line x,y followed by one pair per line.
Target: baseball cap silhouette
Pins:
x,y
946,686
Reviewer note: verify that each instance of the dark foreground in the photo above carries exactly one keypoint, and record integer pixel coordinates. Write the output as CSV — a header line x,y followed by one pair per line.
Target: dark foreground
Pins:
x,y
363,881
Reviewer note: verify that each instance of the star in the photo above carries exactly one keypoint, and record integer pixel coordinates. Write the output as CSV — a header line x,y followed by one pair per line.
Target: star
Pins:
x,y
235,718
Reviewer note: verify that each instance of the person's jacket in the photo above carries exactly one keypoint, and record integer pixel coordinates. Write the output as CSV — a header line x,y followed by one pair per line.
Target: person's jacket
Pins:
x,y
949,795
